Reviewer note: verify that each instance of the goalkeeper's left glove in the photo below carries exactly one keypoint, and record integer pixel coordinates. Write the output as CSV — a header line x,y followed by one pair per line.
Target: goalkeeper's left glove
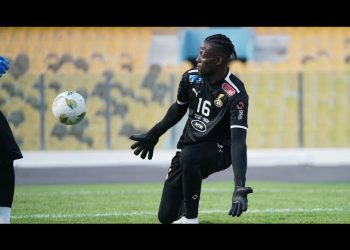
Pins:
x,y
239,200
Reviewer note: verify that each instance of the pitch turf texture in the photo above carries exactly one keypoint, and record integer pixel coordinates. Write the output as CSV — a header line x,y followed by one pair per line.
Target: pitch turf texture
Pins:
x,y
271,202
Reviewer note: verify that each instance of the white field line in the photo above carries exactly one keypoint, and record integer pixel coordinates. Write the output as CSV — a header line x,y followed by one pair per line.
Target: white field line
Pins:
x,y
114,214
282,210
205,190
59,216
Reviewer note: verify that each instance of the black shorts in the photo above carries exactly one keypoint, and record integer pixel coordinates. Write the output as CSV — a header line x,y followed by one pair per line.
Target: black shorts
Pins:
x,y
211,157
214,158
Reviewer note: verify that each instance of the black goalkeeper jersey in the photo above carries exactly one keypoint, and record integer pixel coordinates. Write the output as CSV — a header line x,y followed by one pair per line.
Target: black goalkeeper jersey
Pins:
x,y
214,109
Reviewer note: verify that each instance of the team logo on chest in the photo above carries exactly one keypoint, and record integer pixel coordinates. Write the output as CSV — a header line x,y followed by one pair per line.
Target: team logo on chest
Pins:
x,y
218,101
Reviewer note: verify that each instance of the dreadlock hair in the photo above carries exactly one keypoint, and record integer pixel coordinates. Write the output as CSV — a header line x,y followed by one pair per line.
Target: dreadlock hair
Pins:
x,y
224,43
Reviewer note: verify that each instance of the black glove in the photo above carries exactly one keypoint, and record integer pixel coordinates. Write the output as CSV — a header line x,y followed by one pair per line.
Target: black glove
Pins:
x,y
145,144
240,201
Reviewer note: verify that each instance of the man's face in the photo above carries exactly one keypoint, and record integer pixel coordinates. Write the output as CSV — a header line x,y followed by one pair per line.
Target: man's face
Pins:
x,y
207,60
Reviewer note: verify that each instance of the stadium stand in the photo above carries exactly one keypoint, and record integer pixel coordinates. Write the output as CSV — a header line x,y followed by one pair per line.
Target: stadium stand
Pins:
x,y
114,62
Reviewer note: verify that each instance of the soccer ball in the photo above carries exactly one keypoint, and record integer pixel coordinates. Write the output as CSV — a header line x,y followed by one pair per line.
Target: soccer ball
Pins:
x,y
69,108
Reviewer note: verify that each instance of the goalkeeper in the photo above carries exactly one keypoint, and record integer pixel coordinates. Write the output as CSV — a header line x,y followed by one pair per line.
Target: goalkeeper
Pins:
x,y
9,151
213,138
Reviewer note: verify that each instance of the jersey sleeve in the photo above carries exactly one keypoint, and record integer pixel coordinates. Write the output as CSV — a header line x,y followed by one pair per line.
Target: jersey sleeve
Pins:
x,y
239,112
182,91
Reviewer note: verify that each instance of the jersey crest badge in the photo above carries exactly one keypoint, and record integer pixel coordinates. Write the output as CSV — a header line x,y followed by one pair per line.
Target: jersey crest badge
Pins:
x,y
218,102
230,91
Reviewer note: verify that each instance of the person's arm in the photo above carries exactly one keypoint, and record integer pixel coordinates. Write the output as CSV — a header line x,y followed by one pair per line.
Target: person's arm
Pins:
x,y
145,143
239,155
239,126
176,111
174,114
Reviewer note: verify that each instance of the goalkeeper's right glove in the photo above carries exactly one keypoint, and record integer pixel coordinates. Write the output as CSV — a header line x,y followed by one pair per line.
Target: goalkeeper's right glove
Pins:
x,y
145,144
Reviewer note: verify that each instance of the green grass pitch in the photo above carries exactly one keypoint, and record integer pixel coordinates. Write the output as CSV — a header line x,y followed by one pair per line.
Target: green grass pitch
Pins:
x,y
271,202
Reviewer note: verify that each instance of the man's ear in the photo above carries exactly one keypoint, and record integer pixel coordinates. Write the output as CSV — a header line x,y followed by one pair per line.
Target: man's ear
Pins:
x,y
219,60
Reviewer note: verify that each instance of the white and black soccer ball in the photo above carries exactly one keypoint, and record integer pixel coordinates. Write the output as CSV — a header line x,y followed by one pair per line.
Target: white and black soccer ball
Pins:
x,y
69,108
